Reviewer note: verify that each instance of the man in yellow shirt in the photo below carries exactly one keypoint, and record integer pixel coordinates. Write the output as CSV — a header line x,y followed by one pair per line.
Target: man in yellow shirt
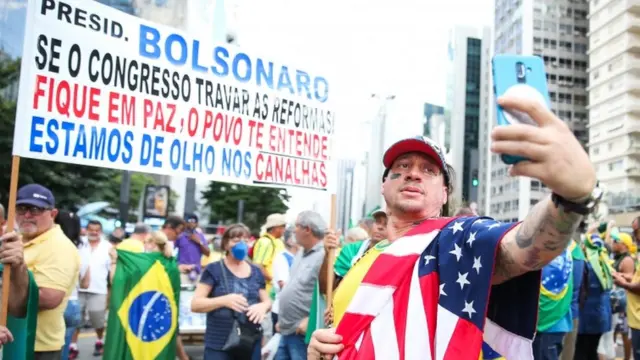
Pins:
x,y
269,245
54,261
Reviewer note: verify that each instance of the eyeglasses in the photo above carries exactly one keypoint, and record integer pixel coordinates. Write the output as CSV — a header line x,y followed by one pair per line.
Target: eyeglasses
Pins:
x,y
33,210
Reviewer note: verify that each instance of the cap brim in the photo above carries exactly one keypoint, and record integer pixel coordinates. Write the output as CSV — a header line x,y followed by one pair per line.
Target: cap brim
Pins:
x,y
34,202
378,213
408,146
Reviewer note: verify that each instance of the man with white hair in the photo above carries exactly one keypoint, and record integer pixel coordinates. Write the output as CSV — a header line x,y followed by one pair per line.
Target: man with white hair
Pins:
x,y
295,298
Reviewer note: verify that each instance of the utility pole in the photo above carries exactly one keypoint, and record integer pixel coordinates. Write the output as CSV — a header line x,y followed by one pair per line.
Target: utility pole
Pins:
x,y
125,192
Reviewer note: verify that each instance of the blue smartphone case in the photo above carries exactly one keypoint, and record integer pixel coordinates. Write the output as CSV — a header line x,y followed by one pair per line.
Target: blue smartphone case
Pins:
x,y
522,76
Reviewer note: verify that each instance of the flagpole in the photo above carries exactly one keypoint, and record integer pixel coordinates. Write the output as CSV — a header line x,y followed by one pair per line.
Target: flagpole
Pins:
x,y
332,254
11,219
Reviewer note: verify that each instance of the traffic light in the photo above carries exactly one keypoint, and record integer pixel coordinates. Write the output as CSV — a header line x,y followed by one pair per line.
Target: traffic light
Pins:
x,y
474,178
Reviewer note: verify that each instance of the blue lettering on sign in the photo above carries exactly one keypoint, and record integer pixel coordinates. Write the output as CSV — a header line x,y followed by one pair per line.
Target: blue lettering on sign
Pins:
x,y
174,154
209,159
151,150
175,49
36,134
80,141
52,144
236,163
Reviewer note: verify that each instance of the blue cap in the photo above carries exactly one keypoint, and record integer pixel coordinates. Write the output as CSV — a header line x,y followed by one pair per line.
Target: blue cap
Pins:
x,y
36,195
191,218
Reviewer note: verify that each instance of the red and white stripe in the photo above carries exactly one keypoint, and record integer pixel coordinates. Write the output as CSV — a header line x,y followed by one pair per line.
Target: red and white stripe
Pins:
x,y
395,315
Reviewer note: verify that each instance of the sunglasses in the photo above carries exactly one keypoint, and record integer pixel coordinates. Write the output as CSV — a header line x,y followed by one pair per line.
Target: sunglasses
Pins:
x,y
33,210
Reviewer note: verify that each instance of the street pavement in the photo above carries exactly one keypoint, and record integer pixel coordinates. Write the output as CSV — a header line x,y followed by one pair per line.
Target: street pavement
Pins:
x,y
88,337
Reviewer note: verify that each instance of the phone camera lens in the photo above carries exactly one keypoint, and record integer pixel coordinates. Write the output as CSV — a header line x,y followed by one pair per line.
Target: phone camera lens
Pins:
x,y
521,72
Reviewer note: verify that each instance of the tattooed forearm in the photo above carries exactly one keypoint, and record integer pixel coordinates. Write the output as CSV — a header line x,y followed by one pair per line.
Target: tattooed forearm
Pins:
x,y
542,236
547,227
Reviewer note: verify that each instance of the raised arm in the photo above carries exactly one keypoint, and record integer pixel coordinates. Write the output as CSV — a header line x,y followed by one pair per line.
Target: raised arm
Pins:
x,y
556,158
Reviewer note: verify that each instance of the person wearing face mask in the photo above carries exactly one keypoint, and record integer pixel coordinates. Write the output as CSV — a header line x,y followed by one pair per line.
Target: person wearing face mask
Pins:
x,y
231,289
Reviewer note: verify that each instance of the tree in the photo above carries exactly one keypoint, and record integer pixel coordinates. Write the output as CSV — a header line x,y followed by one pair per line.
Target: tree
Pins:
x,y
259,202
71,184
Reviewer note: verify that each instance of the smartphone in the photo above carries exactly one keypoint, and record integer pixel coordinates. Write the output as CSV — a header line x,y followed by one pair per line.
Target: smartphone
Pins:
x,y
521,76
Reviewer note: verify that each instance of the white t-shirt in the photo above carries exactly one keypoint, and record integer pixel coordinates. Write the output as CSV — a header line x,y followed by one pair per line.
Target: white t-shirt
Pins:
x,y
280,273
85,255
99,263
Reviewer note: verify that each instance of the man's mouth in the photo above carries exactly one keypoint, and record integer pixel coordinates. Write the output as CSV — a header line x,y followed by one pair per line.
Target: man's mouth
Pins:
x,y
411,189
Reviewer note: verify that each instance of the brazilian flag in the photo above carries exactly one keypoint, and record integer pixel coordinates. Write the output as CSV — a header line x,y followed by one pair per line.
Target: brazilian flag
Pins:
x,y
556,291
23,329
489,354
143,310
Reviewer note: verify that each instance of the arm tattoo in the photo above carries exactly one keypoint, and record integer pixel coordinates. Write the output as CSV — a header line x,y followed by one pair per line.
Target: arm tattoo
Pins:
x,y
547,228
542,236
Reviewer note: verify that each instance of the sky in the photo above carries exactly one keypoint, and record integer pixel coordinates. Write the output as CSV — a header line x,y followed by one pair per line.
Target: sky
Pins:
x,y
364,47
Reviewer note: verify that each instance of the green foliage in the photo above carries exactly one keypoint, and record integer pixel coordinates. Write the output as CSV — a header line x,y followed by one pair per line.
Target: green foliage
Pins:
x,y
259,202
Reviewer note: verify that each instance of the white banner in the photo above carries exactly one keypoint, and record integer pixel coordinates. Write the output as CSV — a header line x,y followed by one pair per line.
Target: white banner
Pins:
x,y
102,88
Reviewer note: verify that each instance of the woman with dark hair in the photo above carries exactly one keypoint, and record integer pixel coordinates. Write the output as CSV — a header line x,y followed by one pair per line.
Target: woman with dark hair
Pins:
x,y
69,223
231,289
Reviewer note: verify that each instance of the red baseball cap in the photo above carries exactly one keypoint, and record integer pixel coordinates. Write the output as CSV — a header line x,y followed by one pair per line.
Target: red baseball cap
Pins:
x,y
419,144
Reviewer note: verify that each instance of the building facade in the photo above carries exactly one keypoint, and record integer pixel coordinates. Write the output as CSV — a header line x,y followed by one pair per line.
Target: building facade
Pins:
x,y
487,110
556,31
465,48
430,111
614,100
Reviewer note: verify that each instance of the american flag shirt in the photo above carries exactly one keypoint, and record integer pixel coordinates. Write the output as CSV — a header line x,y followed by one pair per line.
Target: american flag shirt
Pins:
x,y
429,296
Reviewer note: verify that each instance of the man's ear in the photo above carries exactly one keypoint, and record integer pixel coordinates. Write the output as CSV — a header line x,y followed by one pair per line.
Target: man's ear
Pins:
x,y
445,195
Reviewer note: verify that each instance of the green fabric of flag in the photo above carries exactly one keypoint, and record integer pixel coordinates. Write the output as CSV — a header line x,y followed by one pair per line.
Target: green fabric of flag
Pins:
x,y
556,291
143,310
596,255
576,251
23,329
348,255
316,313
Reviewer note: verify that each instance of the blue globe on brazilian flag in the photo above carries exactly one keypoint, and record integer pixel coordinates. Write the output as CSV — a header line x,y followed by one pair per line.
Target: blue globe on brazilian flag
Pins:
x,y
143,310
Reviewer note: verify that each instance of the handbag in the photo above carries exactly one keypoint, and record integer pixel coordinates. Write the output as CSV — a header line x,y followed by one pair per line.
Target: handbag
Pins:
x,y
243,336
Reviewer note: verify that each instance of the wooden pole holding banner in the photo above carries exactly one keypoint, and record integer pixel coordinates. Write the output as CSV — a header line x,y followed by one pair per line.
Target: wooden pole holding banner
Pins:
x,y
332,254
11,219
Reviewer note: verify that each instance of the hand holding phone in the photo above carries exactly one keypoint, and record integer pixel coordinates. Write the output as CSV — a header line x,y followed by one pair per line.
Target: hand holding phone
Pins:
x,y
518,76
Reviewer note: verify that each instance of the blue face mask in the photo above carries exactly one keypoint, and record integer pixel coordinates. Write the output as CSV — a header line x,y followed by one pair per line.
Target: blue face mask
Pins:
x,y
240,250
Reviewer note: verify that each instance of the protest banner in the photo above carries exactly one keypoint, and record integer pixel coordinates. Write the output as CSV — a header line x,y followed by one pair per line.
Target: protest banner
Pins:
x,y
102,88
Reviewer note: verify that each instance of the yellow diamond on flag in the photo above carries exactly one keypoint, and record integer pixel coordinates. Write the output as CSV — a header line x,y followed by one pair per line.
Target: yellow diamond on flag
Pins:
x,y
149,314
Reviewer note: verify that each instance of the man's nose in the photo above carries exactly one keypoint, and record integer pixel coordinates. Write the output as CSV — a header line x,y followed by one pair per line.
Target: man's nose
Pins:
x,y
414,173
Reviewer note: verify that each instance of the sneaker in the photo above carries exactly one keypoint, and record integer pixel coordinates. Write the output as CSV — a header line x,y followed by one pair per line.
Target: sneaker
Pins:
x,y
73,354
98,349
